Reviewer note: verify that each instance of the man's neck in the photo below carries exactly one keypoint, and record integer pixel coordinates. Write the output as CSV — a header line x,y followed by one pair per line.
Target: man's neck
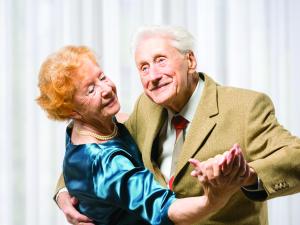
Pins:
x,y
182,100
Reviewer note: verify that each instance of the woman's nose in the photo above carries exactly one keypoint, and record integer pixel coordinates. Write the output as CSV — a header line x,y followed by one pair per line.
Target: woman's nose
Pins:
x,y
106,90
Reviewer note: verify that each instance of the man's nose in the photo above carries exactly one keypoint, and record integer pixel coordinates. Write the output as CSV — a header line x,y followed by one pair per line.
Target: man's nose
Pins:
x,y
154,74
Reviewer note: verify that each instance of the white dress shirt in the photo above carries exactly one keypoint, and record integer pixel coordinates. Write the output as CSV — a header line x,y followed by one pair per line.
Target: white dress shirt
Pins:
x,y
167,136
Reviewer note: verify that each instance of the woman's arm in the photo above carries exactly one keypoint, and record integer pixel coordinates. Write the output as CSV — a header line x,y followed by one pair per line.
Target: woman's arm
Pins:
x,y
189,210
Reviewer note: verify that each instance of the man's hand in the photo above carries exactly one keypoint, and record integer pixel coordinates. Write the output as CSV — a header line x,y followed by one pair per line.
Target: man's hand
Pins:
x,y
222,175
245,173
67,204
231,166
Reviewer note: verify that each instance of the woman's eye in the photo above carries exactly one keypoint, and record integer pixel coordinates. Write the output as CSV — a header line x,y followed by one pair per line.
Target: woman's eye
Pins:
x,y
91,89
102,77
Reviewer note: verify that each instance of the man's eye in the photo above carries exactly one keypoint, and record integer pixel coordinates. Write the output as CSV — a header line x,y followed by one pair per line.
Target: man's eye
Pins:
x,y
91,89
161,59
144,68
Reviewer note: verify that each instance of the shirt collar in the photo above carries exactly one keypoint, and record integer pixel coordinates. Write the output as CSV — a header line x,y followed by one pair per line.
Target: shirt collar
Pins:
x,y
190,108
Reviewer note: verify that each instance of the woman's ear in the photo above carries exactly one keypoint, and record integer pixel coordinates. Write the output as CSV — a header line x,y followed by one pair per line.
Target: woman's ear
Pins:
x,y
75,115
192,62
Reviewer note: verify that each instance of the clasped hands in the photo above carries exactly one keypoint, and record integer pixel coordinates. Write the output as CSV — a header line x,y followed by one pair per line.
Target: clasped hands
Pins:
x,y
222,175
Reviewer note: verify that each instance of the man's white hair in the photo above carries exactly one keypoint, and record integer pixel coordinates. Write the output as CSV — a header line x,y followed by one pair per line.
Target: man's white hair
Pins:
x,y
180,38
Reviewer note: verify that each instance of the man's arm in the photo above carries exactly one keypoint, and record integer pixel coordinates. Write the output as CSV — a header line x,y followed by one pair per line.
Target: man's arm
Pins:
x,y
68,204
59,186
274,151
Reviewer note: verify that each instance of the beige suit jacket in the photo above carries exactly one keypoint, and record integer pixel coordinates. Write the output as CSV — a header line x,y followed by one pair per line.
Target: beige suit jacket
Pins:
x,y
225,116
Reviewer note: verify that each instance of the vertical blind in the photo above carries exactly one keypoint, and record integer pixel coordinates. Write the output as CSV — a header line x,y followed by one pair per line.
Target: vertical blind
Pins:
x,y
250,44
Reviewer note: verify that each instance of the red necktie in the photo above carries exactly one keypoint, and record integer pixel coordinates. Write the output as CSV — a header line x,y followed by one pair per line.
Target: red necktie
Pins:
x,y
179,123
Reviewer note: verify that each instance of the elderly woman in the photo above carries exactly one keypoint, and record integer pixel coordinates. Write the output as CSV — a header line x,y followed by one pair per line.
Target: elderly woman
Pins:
x,y
102,166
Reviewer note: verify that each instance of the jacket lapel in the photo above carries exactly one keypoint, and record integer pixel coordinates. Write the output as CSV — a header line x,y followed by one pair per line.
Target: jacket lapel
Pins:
x,y
154,125
202,124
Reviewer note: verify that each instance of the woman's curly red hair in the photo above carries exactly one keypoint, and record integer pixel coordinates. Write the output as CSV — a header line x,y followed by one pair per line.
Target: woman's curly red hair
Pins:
x,y
57,78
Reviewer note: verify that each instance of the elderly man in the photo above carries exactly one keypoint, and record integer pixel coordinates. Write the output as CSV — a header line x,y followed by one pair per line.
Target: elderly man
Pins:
x,y
213,118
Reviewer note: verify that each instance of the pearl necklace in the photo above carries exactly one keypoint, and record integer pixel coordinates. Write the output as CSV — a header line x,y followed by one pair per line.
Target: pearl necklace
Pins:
x,y
98,136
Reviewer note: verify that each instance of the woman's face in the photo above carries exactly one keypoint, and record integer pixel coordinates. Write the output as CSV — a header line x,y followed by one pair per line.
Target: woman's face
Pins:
x,y
95,97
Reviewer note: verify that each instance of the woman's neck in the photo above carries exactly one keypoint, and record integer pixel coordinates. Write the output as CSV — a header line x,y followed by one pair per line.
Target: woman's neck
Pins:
x,y
101,128
84,133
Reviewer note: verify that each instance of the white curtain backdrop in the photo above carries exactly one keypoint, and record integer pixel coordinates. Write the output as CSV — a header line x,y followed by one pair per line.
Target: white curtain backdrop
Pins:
x,y
247,43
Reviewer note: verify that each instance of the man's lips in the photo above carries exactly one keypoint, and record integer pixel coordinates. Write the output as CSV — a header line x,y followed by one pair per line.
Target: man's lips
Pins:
x,y
158,86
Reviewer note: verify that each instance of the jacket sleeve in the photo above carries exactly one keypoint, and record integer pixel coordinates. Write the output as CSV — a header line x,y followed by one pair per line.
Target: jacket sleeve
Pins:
x,y
274,150
59,185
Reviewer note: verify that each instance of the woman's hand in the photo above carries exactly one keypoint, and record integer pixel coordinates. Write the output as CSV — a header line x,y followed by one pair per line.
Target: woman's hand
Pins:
x,y
222,175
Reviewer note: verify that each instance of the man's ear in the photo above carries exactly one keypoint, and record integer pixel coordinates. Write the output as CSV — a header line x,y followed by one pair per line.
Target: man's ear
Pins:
x,y
192,62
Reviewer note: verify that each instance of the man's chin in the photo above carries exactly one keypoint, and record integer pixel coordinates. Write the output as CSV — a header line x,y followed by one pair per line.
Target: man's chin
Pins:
x,y
160,96
160,100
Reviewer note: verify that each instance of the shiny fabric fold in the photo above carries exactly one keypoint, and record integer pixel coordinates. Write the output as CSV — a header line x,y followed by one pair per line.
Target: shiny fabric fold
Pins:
x,y
112,184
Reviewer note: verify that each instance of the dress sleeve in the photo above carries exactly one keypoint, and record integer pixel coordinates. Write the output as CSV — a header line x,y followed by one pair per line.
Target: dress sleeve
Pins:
x,y
120,182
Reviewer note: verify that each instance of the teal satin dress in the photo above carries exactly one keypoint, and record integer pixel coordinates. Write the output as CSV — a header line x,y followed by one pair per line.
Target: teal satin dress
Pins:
x,y
112,184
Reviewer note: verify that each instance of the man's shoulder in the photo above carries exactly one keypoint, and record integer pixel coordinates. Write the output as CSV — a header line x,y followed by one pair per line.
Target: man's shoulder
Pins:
x,y
145,103
145,113
241,98
229,91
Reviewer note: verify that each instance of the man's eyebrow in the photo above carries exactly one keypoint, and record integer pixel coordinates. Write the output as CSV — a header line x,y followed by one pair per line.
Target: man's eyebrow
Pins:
x,y
143,62
155,56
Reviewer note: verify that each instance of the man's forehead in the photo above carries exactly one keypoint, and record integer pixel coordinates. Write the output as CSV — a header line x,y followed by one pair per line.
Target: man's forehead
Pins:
x,y
153,48
154,40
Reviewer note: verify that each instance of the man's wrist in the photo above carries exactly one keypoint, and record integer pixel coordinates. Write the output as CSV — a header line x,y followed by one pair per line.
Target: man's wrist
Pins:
x,y
251,180
255,192
258,186
64,189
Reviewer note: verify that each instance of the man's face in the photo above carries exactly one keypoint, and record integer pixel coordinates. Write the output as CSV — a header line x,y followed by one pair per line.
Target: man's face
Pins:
x,y
165,72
